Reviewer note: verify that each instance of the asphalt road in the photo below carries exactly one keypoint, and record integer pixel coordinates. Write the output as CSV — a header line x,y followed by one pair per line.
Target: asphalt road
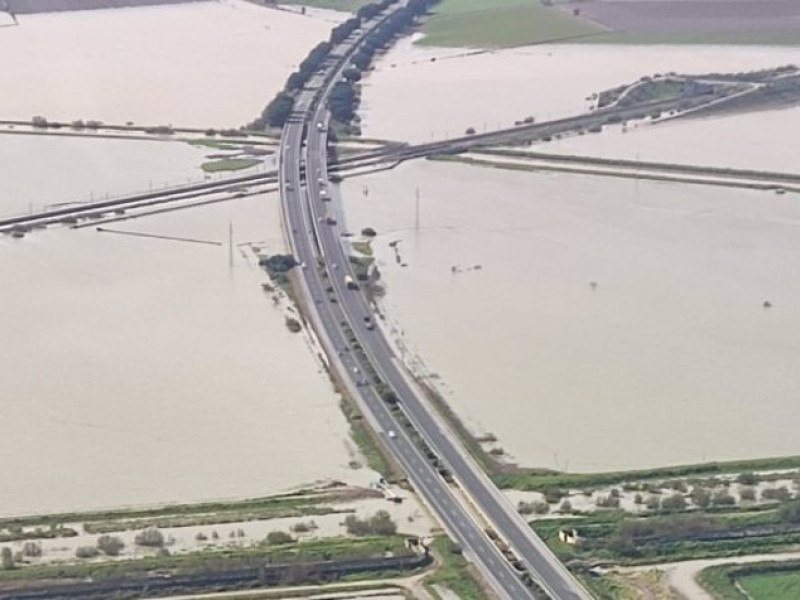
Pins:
x,y
312,238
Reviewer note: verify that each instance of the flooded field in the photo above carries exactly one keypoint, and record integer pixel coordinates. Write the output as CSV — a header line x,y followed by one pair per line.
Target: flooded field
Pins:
x,y
205,64
591,324
139,371
411,98
669,357
754,140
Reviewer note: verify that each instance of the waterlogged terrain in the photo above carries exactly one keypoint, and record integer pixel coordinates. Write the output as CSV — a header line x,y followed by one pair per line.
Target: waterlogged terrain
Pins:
x,y
591,324
669,357
420,94
140,371
205,64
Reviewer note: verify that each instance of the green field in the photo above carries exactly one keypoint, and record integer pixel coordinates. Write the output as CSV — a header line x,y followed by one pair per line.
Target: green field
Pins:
x,y
772,586
229,164
500,24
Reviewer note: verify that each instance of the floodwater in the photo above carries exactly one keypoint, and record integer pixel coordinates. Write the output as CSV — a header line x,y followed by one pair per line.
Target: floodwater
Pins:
x,y
671,359
590,323
207,64
140,371
410,98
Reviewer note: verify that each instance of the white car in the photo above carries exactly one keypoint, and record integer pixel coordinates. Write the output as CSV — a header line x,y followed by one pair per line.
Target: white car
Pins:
x,y
391,433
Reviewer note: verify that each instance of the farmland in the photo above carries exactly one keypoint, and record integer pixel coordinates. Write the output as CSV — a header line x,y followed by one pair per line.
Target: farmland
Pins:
x,y
508,23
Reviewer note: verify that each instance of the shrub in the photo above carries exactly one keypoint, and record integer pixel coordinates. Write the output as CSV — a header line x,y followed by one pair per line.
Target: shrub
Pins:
x,y
110,545
31,549
790,512
747,494
722,498
201,537
378,524
674,502
537,507
86,552
150,537
7,558
780,494
747,478
701,497
275,538
607,502
653,502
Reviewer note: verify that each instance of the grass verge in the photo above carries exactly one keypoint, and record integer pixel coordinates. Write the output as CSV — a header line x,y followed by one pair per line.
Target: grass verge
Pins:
x,y
454,572
229,164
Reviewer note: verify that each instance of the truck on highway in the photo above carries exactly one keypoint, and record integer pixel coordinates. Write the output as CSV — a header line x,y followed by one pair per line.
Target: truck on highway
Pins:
x,y
350,283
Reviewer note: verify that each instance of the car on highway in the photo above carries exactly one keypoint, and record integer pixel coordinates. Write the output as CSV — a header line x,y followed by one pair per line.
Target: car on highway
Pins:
x,y
391,433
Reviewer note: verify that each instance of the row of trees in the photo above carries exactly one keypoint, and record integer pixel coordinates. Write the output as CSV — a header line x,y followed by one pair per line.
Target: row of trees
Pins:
x,y
344,99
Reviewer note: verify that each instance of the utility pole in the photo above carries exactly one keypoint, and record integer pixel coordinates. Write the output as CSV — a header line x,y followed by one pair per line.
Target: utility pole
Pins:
x,y
416,212
230,244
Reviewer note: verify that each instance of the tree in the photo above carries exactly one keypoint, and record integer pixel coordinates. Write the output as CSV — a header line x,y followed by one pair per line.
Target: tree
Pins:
x,y
150,537
275,538
279,110
381,523
110,545
701,497
7,558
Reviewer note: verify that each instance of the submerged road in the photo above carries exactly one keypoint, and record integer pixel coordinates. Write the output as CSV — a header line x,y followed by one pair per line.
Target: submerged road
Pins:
x,y
343,320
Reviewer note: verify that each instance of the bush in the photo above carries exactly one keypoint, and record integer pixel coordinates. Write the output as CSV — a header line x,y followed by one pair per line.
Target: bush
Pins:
x,y
653,502
722,498
553,495
747,478
150,537
32,549
607,502
790,512
110,545
7,558
674,502
537,507
378,524
747,494
87,552
565,507
201,537
780,494
275,538
701,497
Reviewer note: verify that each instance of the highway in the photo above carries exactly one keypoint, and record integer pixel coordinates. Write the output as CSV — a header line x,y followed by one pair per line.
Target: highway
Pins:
x,y
336,311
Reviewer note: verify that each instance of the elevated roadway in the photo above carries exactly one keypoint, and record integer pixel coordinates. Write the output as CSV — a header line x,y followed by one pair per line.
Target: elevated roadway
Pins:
x,y
341,315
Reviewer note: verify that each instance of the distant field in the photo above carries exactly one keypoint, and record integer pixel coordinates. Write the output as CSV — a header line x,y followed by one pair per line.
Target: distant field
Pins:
x,y
778,586
506,23
500,23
